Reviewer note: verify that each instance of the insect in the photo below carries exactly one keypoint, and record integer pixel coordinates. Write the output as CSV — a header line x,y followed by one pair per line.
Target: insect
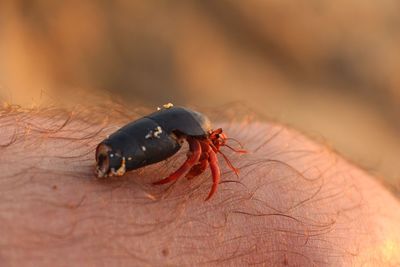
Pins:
x,y
160,135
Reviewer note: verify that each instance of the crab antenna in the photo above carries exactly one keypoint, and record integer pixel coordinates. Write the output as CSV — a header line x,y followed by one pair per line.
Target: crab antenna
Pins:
x,y
237,141
241,151
229,163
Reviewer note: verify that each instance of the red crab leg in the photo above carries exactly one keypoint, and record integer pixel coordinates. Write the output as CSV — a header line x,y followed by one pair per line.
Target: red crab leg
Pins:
x,y
228,162
193,158
197,169
214,171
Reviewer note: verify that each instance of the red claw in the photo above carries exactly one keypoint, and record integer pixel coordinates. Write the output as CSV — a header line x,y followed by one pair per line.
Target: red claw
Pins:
x,y
202,153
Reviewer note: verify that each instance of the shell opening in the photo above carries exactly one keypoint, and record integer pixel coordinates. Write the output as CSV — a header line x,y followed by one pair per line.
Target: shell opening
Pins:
x,y
103,161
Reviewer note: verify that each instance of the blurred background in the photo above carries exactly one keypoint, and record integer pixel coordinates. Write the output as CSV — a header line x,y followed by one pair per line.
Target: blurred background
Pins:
x,y
328,68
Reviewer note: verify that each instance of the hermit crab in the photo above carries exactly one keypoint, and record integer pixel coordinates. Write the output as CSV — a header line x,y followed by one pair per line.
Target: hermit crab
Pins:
x,y
158,136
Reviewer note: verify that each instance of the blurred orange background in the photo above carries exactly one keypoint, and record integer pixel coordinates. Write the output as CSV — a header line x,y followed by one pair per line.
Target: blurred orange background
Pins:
x,y
329,68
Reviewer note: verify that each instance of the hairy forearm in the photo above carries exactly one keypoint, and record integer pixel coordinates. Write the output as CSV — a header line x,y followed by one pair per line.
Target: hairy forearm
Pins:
x,y
294,202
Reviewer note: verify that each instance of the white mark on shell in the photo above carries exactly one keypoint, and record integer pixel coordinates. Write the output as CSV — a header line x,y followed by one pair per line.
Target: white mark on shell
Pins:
x,y
149,135
121,171
154,133
157,132
168,105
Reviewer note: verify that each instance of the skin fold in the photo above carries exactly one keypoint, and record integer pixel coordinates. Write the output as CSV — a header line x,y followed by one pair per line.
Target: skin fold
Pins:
x,y
294,203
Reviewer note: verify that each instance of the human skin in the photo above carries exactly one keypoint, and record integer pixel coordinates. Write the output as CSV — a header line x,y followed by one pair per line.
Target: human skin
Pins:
x,y
295,202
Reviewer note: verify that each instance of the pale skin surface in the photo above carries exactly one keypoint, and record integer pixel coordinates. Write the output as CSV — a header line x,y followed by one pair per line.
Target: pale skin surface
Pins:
x,y
295,202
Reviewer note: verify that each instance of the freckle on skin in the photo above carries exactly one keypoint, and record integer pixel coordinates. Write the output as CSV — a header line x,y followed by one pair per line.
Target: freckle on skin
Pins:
x,y
165,252
285,261
54,187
